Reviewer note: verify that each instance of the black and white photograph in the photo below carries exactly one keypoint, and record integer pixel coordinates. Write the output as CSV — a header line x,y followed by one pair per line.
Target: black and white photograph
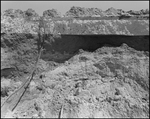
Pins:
x,y
74,59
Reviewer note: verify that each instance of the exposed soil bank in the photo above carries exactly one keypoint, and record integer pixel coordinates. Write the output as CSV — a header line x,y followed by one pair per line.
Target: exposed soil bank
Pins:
x,y
66,46
72,43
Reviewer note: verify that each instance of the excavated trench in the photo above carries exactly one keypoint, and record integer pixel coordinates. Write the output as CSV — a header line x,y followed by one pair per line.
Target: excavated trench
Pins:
x,y
69,45
66,46
72,43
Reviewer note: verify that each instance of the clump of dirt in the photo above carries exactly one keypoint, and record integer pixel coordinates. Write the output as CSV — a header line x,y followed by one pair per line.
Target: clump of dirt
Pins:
x,y
110,82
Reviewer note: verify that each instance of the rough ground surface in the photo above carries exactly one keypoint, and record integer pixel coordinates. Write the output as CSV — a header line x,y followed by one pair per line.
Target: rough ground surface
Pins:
x,y
110,82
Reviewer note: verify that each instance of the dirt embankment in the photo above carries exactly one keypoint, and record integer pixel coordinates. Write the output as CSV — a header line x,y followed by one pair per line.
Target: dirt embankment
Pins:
x,y
70,44
102,27
65,46
76,26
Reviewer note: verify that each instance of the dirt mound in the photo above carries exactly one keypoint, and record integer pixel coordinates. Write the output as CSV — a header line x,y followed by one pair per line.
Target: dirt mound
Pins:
x,y
51,13
13,13
82,12
96,12
30,12
17,13
141,12
117,12
110,82
145,12
112,12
